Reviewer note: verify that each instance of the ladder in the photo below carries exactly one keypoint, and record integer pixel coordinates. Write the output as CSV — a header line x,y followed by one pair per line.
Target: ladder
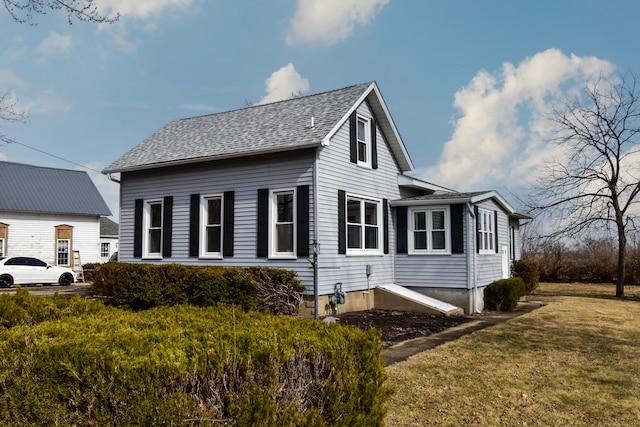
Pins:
x,y
77,266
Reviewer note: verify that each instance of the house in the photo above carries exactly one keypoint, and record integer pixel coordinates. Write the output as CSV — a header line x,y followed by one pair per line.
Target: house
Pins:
x,y
108,239
49,213
315,184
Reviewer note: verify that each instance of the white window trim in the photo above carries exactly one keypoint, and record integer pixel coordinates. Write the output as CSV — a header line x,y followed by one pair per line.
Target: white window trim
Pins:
x,y
104,245
429,219
203,226
58,253
367,141
364,251
3,252
273,215
490,233
147,224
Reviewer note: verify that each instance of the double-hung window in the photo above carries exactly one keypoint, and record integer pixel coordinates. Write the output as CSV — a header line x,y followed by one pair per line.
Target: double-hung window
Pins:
x,y
430,230
363,132
153,227
212,226
105,249
283,226
62,252
364,219
2,251
486,232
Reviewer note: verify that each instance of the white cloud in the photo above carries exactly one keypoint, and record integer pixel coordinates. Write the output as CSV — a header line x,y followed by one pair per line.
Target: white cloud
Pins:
x,y
47,102
54,45
330,21
140,9
284,83
502,132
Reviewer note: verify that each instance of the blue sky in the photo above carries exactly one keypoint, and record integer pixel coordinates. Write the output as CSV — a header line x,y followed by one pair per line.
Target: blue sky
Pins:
x,y
468,83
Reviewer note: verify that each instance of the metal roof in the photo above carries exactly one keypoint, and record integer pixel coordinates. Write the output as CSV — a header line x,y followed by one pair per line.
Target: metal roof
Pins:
x,y
28,188
293,124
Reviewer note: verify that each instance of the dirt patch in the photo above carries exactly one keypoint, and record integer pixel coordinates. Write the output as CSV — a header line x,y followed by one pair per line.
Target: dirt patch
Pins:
x,y
397,326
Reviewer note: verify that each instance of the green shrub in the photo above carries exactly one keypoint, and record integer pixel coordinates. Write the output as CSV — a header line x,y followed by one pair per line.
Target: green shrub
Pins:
x,y
24,308
142,286
185,365
88,270
528,272
503,295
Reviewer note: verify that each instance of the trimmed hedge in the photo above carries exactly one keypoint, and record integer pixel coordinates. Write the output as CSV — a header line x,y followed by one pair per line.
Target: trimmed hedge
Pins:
x,y
143,286
528,271
503,295
185,365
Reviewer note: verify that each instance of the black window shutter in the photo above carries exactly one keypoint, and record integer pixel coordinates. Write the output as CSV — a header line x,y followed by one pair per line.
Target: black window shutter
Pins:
x,y
478,222
137,229
262,242
194,225
495,229
342,222
457,229
353,138
167,224
302,212
401,221
385,225
374,145
229,222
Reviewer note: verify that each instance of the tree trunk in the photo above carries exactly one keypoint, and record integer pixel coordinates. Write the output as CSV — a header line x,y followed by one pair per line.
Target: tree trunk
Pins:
x,y
622,256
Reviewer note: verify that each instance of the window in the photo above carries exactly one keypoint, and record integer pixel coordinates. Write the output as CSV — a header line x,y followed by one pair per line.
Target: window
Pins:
x,y
363,225
62,250
153,227
363,142
212,226
105,249
486,232
2,251
283,230
430,230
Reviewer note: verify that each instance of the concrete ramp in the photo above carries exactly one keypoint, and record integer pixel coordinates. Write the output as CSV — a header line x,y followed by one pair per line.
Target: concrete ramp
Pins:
x,y
395,297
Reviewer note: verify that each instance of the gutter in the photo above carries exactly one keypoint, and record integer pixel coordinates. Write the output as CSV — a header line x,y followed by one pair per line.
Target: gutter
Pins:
x,y
471,258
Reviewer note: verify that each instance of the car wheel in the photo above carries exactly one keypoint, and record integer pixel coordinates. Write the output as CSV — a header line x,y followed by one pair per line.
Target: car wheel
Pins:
x,y
6,281
65,280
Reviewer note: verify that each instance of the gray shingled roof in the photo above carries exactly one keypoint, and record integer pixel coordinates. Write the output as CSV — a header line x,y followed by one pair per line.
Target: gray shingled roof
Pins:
x,y
108,227
28,188
260,129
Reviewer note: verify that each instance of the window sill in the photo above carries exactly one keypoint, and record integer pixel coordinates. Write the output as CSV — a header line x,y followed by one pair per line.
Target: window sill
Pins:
x,y
429,253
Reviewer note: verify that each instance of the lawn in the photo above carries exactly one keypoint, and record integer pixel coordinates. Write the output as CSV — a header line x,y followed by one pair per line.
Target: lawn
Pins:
x,y
573,362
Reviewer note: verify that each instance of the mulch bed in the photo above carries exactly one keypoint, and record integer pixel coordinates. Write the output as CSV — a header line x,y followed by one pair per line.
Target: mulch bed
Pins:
x,y
397,326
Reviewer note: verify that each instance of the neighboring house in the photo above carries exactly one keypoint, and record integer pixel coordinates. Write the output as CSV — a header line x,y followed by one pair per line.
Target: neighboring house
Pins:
x,y
323,174
48,213
108,239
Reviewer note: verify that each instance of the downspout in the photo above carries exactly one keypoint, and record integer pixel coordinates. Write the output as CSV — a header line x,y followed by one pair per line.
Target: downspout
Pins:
x,y
315,234
471,258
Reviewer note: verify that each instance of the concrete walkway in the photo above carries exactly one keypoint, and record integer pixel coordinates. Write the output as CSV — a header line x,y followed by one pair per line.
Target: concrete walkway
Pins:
x,y
403,350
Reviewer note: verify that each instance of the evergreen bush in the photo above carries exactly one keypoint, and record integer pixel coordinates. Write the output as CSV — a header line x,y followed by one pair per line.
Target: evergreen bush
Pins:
x,y
185,365
528,272
142,286
503,295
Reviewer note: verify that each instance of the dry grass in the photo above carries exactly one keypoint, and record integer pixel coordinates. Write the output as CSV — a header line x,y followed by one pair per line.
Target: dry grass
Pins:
x,y
584,290
570,363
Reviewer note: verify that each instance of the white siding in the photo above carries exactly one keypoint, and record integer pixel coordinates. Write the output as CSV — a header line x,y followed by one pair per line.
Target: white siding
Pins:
x,y
33,234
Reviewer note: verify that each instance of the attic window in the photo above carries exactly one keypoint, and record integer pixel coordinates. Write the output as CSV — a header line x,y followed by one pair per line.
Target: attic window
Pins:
x,y
363,142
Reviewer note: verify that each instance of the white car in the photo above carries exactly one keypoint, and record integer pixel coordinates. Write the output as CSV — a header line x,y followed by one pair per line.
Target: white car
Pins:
x,y
21,270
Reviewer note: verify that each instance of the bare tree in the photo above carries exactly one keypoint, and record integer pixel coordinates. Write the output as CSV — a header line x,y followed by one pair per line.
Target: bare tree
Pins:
x,y
23,11
9,112
592,189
